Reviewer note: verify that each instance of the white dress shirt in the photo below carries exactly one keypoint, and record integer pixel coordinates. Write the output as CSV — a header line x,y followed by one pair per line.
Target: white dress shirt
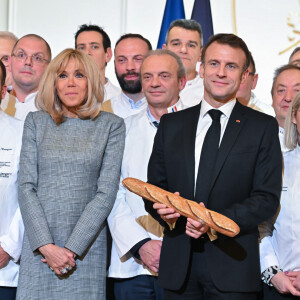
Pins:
x,y
193,92
21,108
204,123
282,248
258,105
125,231
11,225
124,107
110,90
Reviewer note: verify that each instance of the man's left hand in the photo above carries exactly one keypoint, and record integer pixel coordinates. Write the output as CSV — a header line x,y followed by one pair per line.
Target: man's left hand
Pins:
x,y
4,258
195,229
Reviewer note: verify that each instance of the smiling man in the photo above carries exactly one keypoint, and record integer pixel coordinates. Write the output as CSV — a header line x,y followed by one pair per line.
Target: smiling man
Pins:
x,y
136,239
228,157
29,60
94,41
184,37
286,84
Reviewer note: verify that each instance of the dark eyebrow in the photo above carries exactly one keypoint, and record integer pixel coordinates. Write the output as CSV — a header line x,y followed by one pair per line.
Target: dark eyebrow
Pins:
x,y
179,40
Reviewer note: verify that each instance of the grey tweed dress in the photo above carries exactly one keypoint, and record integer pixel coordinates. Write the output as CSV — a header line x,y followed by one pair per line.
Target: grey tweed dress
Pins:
x,y
68,180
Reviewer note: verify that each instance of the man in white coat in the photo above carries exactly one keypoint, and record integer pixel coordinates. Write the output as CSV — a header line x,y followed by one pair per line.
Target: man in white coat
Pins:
x,y
130,51
137,237
94,41
29,60
185,38
286,84
11,225
246,96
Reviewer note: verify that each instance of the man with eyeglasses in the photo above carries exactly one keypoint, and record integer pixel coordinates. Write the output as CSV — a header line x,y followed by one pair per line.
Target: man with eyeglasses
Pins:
x,y
7,42
247,97
184,37
29,60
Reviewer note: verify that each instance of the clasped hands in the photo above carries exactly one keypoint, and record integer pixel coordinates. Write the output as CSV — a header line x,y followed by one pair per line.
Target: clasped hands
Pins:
x,y
60,260
194,229
287,282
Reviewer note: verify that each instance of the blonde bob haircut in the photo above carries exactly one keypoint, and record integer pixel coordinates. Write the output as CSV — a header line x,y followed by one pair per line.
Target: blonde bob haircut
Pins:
x,y
47,98
291,136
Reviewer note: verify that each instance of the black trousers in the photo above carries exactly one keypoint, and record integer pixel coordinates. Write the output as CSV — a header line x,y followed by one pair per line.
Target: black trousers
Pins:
x,y
199,284
270,293
8,293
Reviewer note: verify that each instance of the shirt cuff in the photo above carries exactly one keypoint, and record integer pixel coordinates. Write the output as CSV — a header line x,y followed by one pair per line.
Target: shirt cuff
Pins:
x,y
135,249
269,273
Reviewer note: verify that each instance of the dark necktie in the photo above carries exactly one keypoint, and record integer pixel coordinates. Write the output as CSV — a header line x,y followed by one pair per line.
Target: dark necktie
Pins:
x,y
208,157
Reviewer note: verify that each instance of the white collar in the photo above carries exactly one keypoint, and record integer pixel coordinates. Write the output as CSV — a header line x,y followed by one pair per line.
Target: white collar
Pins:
x,y
226,108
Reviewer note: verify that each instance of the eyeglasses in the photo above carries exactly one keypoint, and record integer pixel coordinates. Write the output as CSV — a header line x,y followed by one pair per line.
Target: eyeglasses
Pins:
x,y
36,58
251,73
5,59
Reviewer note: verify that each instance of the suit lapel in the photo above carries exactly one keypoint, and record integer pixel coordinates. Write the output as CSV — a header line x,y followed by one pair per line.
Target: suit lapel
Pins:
x,y
235,123
190,129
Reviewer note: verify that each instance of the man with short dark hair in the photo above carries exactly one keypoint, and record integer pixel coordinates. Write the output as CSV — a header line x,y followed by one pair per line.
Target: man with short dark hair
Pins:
x,y
94,41
226,156
245,94
29,59
130,51
184,37
136,236
11,225
286,84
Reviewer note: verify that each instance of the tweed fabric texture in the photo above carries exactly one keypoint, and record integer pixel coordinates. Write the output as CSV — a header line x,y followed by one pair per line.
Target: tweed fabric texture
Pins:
x,y
68,180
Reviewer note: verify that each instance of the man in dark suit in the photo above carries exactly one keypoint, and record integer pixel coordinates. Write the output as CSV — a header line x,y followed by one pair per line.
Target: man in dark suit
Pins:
x,y
240,179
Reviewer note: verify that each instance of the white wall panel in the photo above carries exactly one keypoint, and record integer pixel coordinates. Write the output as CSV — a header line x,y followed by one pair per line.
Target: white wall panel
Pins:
x,y
262,24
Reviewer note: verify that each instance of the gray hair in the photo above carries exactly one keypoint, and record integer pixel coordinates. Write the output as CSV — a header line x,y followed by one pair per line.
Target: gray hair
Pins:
x,y
188,25
161,52
6,35
279,70
291,135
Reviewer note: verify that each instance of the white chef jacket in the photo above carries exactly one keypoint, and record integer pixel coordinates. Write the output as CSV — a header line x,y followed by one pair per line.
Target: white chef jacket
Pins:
x,y
282,248
110,90
11,225
193,92
283,147
258,105
125,231
22,108
124,107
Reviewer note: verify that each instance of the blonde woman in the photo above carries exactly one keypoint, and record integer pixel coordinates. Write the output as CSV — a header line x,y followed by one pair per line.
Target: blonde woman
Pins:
x,y
280,253
69,175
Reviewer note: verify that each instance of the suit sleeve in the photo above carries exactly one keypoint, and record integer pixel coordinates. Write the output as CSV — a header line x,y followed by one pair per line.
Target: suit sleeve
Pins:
x,y
96,212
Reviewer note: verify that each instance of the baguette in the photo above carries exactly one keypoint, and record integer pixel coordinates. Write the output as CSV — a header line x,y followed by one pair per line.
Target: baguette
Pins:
x,y
187,208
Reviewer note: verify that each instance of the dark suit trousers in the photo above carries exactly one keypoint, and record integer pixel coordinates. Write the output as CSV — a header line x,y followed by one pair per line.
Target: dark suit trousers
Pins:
x,y
270,293
199,285
142,287
8,293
